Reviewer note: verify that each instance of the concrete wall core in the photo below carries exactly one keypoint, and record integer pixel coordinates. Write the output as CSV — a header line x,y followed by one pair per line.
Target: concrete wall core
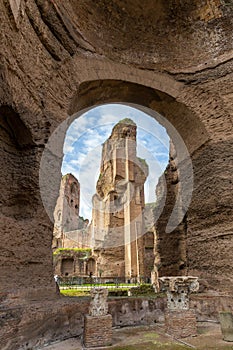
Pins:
x,y
63,57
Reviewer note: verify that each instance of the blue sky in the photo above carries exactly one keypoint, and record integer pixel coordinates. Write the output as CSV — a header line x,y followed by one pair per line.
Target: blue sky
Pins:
x,y
83,146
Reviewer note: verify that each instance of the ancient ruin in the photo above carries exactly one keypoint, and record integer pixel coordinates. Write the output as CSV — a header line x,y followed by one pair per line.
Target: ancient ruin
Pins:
x,y
69,228
98,305
175,241
74,262
117,221
180,320
226,321
71,239
98,324
122,230
172,59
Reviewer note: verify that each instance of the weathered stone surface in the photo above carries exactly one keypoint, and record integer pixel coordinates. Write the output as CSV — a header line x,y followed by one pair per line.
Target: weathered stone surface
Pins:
x,y
98,305
118,206
180,320
167,192
226,322
72,262
69,228
98,324
35,324
62,57
178,290
66,212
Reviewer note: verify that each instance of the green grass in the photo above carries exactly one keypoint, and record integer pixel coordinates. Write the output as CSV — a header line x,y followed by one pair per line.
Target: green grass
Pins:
x,y
83,292
78,292
74,293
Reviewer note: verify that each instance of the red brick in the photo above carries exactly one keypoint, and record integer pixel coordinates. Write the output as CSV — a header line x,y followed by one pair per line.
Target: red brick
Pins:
x,y
97,331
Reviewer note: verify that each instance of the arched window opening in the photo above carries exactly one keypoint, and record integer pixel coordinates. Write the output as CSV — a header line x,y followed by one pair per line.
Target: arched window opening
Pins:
x,y
114,156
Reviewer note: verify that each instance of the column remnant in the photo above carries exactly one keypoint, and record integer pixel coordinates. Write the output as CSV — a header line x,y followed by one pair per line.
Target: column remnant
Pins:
x,y
180,320
98,324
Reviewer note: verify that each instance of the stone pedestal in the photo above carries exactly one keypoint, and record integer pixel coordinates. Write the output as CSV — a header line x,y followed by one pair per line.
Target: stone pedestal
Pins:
x,y
97,331
98,324
226,322
180,323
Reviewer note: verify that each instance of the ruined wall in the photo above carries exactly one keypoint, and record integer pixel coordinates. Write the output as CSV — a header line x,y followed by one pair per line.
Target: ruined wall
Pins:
x,y
64,318
117,221
66,212
170,247
149,241
149,256
70,230
72,262
23,225
58,58
78,238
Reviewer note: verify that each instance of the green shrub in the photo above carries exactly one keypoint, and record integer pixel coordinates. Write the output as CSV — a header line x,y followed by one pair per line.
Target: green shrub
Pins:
x,y
143,289
70,251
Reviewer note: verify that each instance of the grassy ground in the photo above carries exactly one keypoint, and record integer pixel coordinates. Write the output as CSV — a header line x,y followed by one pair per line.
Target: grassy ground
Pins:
x,y
142,290
74,293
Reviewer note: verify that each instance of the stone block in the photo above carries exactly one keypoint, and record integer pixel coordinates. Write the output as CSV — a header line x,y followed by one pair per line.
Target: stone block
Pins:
x,y
97,331
226,321
180,323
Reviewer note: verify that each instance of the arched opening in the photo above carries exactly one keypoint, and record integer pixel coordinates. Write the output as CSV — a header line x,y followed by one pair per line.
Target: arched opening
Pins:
x,y
94,93
97,163
191,130
91,94
67,267
91,267
171,113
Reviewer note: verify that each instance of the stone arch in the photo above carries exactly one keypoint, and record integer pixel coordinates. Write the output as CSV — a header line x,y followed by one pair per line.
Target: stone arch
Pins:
x,y
191,120
93,93
97,92
187,124
44,64
67,266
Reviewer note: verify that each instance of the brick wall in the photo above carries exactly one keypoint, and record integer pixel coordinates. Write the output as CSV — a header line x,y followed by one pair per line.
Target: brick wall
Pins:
x,y
97,331
181,323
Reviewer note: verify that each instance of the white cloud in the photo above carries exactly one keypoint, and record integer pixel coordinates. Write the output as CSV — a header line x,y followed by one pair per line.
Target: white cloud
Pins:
x,y
68,148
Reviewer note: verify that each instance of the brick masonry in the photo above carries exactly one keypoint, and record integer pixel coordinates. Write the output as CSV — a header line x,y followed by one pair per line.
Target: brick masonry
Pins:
x,y
181,323
97,331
